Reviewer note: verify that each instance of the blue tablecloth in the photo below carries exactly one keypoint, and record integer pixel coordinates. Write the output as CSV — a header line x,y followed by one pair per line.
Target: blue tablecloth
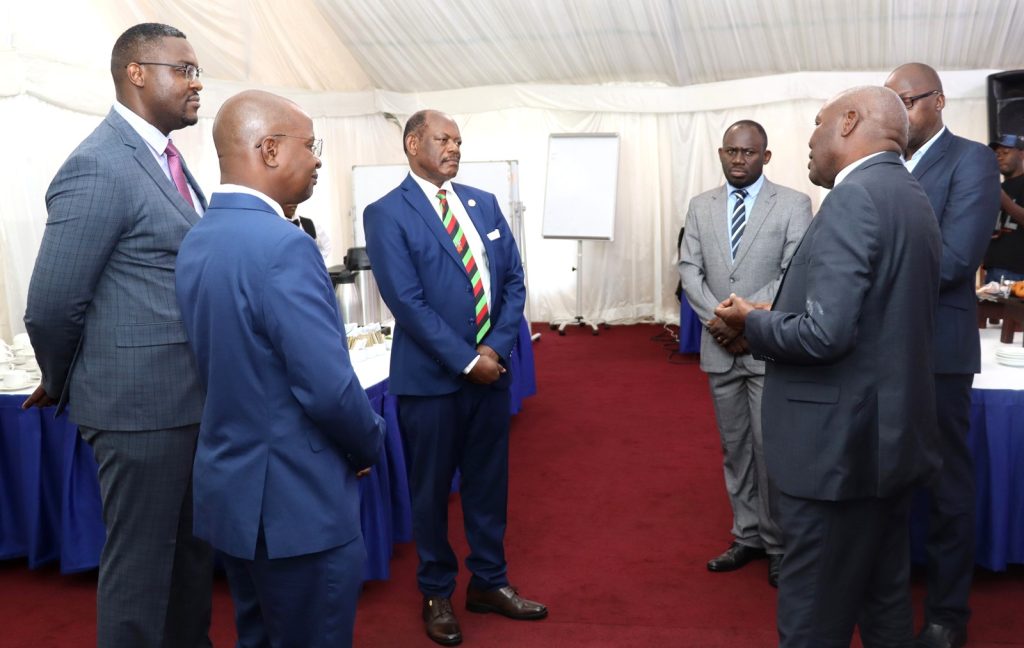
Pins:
x,y
996,439
689,328
49,494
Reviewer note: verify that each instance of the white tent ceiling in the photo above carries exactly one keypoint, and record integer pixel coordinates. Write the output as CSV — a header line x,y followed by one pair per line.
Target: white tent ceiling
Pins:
x,y
667,75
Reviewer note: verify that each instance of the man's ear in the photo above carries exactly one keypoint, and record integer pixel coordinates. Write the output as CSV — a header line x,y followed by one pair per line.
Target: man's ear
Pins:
x,y
850,121
412,144
135,74
269,149
767,156
940,102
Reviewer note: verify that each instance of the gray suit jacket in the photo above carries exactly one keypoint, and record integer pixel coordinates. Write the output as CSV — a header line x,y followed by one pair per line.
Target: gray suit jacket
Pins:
x,y
849,400
102,313
774,229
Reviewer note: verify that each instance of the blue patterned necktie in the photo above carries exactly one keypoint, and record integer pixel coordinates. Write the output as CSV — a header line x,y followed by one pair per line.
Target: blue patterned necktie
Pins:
x,y
738,221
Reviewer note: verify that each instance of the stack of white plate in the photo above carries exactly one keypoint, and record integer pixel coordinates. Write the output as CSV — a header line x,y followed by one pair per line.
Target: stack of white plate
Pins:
x,y
1011,356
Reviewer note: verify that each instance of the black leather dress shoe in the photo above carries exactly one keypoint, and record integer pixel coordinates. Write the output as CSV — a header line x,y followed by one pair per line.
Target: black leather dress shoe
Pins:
x,y
440,622
940,636
774,565
734,557
505,601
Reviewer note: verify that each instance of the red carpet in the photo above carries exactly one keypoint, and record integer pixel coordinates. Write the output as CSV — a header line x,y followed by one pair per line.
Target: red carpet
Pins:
x,y
616,504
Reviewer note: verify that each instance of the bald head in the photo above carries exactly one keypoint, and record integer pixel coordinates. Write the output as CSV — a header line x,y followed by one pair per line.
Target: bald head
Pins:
x,y
920,88
854,124
266,142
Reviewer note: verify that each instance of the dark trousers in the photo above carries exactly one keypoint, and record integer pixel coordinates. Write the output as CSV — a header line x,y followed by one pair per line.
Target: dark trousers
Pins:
x,y
846,564
155,577
950,544
468,430
297,602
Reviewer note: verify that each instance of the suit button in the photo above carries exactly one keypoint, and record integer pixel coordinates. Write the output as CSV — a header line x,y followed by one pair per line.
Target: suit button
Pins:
x,y
470,320
731,280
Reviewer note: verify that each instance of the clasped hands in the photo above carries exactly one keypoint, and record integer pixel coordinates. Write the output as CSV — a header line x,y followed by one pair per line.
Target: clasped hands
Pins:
x,y
726,328
488,368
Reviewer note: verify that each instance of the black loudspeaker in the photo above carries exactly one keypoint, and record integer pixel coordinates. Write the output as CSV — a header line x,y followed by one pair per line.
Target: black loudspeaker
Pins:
x,y
1005,104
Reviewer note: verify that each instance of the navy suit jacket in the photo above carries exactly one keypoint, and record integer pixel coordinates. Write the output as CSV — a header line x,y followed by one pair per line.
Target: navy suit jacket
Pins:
x,y
101,310
424,283
286,423
961,179
848,410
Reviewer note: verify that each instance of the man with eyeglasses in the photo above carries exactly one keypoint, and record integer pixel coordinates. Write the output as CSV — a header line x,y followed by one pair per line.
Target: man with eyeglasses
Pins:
x,y
739,238
287,426
106,329
961,179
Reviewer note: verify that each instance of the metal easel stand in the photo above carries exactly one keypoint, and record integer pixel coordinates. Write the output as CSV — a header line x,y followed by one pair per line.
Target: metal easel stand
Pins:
x,y
578,320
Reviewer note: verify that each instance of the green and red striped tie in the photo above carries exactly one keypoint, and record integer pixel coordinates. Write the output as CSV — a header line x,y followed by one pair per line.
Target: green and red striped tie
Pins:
x,y
451,224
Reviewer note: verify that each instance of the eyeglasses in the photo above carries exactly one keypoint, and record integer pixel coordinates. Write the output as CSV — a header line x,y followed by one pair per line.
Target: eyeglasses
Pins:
x,y
190,71
316,147
732,152
909,101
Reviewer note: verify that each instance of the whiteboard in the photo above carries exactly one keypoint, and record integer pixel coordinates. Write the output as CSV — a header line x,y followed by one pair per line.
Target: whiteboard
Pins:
x,y
579,196
372,181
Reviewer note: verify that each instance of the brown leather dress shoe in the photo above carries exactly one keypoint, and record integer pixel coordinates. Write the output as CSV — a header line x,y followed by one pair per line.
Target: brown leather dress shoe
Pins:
x,y
734,557
505,601
439,619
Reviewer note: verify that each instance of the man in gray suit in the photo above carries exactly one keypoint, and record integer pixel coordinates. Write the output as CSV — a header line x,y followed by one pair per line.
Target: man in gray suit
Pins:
x,y
739,238
105,325
849,404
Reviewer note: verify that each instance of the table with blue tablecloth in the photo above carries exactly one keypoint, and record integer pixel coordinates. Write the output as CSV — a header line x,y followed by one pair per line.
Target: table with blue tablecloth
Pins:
x,y
49,493
996,440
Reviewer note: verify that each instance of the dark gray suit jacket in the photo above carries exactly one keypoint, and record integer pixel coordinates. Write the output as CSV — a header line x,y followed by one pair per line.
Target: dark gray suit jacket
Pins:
x,y
102,313
849,403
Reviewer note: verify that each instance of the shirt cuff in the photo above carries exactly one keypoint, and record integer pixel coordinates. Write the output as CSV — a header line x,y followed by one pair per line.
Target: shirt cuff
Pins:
x,y
469,367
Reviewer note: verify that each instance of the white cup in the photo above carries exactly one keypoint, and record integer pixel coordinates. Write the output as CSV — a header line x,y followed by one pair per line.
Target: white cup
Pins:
x,y
14,378
21,341
6,353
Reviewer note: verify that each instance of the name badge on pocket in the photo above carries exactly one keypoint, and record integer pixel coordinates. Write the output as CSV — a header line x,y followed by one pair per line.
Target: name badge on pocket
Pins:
x,y
493,236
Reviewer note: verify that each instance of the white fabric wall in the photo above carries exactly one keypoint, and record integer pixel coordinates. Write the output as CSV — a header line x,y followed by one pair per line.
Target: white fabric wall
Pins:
x,y
669,138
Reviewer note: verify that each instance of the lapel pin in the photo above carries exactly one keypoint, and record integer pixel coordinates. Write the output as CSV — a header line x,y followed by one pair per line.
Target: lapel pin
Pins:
x,y
471,203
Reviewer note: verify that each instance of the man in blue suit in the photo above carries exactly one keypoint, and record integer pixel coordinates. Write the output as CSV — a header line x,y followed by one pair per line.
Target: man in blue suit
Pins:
x,y
106,329
286,425
961,179
449,270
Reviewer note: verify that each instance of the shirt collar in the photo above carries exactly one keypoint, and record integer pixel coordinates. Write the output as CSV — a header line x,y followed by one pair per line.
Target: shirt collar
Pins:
x,y
916,157
752,189
431,189
148,132
848,169
234,188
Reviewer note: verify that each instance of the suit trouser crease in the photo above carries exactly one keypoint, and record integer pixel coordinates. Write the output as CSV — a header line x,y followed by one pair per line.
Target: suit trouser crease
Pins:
x,y
847,564
736,395
951,521
467,430
306,601
155,577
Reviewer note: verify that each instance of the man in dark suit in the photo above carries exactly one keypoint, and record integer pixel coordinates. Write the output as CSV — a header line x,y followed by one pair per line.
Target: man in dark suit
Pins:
x,y
449,270
107,332
961,179
848,405
286,425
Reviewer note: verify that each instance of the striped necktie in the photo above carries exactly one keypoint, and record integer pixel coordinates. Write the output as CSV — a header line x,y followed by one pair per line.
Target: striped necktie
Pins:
x,y
738,221
451,224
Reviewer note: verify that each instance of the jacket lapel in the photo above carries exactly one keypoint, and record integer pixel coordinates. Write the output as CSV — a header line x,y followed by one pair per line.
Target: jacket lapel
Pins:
x,y
719,210
145,159
475,211
418,202
762,207
934,154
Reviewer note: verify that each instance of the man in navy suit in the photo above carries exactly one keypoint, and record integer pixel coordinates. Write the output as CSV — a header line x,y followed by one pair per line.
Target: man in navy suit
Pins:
x,y
286,425
961,179
449,270
848,414
107,332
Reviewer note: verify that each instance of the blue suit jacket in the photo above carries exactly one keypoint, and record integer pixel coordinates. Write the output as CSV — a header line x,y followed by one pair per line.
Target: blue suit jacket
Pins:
x,y
424,283
961,179
849,403
286,423
101,310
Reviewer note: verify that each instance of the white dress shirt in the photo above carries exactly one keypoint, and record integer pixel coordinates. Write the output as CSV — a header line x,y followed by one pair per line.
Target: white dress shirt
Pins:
x,y
916,157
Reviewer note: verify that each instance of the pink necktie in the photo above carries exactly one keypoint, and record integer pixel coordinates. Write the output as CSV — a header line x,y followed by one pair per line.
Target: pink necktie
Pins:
x,y
177,173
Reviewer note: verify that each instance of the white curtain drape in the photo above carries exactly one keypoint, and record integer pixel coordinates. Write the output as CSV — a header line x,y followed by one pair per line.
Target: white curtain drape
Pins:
x,y
362,67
